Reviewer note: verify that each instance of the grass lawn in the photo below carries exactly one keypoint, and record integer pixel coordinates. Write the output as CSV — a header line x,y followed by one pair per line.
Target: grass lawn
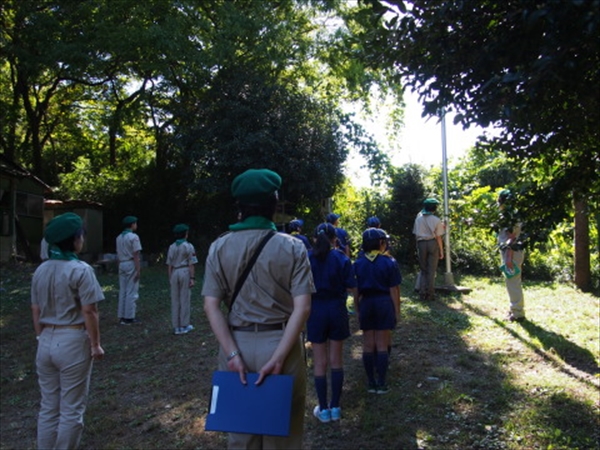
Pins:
x,y
461,377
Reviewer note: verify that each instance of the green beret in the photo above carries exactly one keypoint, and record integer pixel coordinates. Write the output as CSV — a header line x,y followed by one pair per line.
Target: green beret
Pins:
x,y
180,228
431,201
62,227
504,193
129,220
255,186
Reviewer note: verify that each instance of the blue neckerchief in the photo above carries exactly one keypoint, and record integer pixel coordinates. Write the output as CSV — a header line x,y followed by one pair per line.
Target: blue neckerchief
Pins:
x,y
253,223
125,231
57,253
427,213
178,242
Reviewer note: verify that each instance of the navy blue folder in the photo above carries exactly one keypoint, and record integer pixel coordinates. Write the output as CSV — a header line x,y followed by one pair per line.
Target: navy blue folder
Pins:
x,y
264,409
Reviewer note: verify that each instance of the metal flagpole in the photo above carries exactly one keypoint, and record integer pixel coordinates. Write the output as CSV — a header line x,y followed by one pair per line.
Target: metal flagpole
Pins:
x,y
448,277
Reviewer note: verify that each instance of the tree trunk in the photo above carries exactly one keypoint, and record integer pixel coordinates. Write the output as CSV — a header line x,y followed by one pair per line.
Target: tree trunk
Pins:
x,y
582,245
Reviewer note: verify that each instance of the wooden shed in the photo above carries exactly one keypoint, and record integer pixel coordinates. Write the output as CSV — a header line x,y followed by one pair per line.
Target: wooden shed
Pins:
x,y
21,211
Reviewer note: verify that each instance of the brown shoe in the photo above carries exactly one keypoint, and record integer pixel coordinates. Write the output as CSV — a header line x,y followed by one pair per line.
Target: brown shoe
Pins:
x,y
513,318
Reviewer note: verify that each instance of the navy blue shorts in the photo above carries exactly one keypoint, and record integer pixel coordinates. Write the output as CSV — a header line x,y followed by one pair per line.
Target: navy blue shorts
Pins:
x,y
328,320
377,313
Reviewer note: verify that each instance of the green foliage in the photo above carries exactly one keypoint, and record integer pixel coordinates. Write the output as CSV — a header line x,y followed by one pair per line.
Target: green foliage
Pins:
x,y
156,106
461,55
474,219
408,189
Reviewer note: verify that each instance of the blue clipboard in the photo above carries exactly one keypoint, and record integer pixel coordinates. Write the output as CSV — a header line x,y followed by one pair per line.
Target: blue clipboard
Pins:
x,y
251,409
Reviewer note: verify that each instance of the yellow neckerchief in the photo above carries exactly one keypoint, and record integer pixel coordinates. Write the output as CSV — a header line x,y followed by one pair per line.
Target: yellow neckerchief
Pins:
x,y
373,254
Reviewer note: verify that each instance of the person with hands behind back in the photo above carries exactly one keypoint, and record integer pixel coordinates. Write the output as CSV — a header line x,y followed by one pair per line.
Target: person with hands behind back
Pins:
x,y
64,298
129,250
268,309
181,258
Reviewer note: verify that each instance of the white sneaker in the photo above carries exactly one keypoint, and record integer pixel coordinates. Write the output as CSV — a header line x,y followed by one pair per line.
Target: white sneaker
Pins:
x,y
185,330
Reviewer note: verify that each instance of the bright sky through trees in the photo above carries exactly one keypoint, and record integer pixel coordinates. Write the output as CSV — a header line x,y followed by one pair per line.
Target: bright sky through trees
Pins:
x,y
420,140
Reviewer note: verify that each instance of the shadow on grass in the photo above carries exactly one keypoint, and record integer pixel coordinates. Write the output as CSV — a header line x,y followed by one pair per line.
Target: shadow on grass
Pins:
x,y
443,394
566,350
152,389
567,353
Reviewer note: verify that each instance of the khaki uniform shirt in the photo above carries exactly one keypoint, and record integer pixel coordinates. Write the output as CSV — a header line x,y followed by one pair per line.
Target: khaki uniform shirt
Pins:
x,y
427,227
281,273
127,245
182,255
60,287
504,234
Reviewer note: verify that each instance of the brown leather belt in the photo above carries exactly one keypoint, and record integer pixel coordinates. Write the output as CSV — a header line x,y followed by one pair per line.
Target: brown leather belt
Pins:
x,y
58,327
260,327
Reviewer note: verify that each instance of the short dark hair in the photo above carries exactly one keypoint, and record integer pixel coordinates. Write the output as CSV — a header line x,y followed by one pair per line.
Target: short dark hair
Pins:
x,y
68,244
266,210
180,234
372,244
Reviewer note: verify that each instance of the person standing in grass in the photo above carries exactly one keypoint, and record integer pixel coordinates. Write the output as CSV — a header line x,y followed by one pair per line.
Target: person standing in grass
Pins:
x,y
129,251
374,222
512,254
428,230
181,258
328,326
378,280
261,332
64,298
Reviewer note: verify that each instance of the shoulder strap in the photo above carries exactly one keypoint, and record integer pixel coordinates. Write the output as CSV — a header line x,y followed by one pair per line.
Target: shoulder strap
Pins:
x,y
246,272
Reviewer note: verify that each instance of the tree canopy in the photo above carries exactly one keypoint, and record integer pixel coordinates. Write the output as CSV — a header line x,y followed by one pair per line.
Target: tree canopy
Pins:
x,y
110,100
528,67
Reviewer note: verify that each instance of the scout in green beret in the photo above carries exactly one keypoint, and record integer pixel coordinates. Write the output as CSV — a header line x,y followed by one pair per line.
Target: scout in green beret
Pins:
x,y
256,193
180,228
512,253
428,230
64,235
256,186
62,227
129,250
64,298
127,221
181,258
268,310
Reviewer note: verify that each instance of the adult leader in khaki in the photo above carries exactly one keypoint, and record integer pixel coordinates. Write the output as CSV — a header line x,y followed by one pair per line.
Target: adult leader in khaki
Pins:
x,y
261,333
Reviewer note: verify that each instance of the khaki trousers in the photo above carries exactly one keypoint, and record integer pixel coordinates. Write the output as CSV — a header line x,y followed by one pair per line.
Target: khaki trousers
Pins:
x,y
256,349
180,297
429,257
514,287
64,368
128,290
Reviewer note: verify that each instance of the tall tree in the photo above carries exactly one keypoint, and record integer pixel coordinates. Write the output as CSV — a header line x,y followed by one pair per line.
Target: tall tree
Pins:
x,y
530,67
